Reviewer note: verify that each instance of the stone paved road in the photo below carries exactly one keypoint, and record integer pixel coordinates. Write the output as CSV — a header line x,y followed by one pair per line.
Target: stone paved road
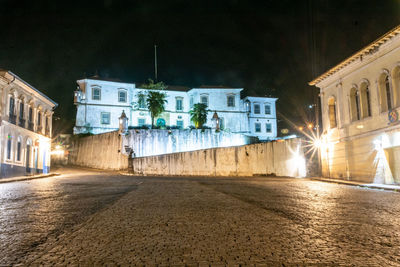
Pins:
x,y
202,221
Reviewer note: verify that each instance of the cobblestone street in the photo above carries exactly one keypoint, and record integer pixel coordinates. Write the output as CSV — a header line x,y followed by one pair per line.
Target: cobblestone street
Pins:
x,y
93,218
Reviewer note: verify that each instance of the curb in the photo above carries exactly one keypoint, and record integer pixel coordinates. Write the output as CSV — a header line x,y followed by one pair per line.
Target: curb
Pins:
x,y
393,188
25,178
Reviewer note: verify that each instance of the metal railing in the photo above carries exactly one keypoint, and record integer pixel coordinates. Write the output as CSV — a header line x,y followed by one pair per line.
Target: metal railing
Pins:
x,y
30,125
21,122
12,118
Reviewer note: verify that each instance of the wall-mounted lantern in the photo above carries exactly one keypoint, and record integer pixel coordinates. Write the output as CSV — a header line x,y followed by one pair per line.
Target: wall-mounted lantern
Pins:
x,y
215,120
123,123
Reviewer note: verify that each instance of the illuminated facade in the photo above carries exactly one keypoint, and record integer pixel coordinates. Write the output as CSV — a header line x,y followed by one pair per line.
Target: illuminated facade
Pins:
x,y
25,130
360,100
100,103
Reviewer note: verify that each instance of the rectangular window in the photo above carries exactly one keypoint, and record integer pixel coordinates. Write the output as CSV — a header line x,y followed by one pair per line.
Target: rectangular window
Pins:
x,y
191,101
256,108
141,122
257,127
268,127
105,118
179,104
231,101
30,115
204,100
96,93
21,110
9,147
179,124
267,108
39,120
121,96
12,103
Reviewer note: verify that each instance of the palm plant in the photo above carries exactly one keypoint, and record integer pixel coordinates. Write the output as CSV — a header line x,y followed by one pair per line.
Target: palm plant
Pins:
x,y
198,115
156,104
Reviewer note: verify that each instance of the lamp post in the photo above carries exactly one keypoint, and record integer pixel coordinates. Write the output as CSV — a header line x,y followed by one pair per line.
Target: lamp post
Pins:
x,y
123,123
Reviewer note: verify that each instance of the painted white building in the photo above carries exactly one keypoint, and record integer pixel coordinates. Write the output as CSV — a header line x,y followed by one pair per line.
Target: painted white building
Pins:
x,y
25,129
100,103
360,100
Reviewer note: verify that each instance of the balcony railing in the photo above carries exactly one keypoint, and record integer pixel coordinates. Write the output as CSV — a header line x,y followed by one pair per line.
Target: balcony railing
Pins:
x,y
30,126
39,129
21,122
12,118
47,132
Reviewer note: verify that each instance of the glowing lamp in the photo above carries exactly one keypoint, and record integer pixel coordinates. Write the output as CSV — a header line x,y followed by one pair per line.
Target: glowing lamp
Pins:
x,y
310,126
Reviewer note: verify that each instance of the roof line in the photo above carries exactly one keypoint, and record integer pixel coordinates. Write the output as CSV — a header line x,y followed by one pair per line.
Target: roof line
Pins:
x,y
42,94
366,50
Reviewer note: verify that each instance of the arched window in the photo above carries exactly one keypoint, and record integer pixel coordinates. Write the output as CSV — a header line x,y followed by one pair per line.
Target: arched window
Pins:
x,y
19,148
354,104
332,112
396,86
122,95
385,94
365,100
9,146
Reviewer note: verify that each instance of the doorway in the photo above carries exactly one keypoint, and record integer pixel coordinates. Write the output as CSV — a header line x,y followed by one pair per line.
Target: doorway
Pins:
x,y
28,158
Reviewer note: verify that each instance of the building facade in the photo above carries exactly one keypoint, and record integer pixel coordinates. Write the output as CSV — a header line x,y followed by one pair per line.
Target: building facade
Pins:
x,y
25,129
100,103
360,100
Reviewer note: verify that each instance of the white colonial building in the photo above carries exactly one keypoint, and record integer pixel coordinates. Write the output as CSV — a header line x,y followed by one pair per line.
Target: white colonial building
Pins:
x,y
100,103
25,129
360,101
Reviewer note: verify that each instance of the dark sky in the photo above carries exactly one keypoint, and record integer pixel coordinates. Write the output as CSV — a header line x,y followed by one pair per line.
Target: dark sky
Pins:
x,y
268,47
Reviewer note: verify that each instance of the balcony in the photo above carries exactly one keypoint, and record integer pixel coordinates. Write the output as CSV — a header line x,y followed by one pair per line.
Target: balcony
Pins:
x,y
12,118
39,129
47,133
21,122
30,126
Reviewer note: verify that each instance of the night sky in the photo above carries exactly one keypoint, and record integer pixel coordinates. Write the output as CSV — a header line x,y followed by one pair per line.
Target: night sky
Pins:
x,y
269,48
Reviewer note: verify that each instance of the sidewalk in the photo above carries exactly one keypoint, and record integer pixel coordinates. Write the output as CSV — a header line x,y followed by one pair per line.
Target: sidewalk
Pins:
x,y
389,187
24,178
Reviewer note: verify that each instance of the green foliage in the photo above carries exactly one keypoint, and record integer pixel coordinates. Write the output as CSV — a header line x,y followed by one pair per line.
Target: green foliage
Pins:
x,y
198,115
156,104
141,96
154,86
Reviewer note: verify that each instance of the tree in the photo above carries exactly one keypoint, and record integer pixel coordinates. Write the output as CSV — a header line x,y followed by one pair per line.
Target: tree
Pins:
x,y
198,115
154,86
155,103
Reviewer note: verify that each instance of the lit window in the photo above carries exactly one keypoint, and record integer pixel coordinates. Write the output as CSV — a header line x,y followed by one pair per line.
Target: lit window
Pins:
x,y
267,108
268,127
96,93
332,112
179,124
179,104
105,118
230,100
204,100
141,122
122,96
257,127
256,108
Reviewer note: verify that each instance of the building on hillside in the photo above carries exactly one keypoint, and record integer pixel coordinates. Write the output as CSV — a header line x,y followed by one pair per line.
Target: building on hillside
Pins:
x,y
360,100
25,129
100,103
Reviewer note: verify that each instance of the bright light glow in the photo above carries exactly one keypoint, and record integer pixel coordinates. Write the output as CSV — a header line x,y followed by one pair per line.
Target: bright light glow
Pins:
x,y
301,128
58,147
360,126
310,126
